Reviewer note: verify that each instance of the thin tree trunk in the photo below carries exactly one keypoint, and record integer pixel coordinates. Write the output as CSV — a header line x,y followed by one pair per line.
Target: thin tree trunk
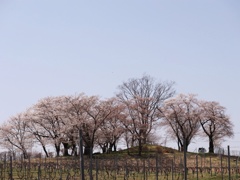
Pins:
x,y
110,147
57,147
74,150
104,148
115,147
45,150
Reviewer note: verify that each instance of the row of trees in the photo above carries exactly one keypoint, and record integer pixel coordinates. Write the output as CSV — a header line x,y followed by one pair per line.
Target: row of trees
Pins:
x,y
140,107
185,117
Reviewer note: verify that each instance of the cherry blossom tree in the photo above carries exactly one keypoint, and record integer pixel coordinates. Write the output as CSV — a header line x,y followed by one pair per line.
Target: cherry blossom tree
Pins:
x,y
88,113
14,134
181,118
38,132
75,116
111,130
47,114
97,112
215,124
142,97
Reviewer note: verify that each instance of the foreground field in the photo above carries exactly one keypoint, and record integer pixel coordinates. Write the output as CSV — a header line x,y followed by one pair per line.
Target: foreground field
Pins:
x,y
156,163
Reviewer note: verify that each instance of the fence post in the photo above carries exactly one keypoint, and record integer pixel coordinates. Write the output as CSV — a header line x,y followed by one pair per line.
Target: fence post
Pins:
x,y
156,166
96,161
39,172
229,165
174,163
201,162
126,171
11,169
197,165
115,167
29,167
211,165
185,158
90,164
160,165
237,168
221,166
81,154
144,170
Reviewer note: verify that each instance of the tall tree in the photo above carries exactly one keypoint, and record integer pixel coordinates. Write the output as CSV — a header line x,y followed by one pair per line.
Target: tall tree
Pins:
x,y
38,132
97,112
111,130
215,123
47,114
14,134
181,117
141,98
75,116
88,114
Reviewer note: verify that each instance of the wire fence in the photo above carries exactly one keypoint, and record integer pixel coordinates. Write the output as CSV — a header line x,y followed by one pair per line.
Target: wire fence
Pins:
x,y
168,166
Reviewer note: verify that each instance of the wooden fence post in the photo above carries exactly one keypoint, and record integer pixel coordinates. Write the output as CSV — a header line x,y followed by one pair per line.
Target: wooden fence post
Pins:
x,y
229,165
221,166
197,165
81,154
156,166
11,169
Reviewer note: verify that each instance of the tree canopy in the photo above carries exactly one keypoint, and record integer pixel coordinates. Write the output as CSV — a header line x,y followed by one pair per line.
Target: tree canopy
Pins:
x,y
133,115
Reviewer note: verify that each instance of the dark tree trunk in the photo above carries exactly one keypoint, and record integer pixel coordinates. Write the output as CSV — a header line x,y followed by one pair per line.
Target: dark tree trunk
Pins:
x,y
87,150
65,150
179,146
88,141
39,138
57,147
128,147
144,141
74,150
110,147
139,147
104,147
115,147
132,142
45,150
143,136
182,146
211,145
25,154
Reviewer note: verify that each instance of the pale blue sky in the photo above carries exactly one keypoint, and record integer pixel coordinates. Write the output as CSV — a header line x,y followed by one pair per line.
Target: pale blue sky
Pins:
x,y
60,47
